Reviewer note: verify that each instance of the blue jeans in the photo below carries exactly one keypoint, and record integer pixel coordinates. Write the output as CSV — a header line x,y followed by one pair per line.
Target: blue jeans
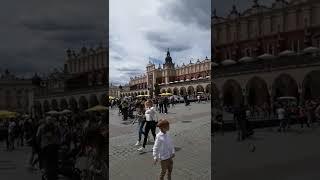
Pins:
x,y
141,124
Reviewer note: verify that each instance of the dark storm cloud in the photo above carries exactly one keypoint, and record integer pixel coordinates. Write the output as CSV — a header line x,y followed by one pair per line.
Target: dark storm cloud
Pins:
x,y
47,24
132,74
188,12
116,58
224,7
82,37
36,33
155,36
126,69
162,42
155,60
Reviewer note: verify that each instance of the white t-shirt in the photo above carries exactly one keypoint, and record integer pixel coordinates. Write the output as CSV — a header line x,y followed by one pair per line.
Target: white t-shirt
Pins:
x,y
151,114
280,112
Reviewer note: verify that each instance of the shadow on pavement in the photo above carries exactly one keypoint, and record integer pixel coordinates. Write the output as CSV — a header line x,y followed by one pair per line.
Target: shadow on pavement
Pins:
x,y
177,149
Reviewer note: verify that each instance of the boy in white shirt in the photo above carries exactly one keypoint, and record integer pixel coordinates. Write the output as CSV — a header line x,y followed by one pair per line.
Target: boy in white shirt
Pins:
x,y
163,149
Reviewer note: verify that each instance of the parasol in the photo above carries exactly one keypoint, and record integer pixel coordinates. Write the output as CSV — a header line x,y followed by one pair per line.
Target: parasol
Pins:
x,y
98,108
7,114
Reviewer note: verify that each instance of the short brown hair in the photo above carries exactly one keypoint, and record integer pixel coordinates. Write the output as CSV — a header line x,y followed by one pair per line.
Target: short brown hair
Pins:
x,y
148,103
163,123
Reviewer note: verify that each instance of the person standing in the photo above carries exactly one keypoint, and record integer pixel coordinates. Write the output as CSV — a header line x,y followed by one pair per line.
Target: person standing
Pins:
x,y
49,137
151,123
317,113
172,101
6,126
281,116
303,117
163,150
11,133
161,101
165,104
125,108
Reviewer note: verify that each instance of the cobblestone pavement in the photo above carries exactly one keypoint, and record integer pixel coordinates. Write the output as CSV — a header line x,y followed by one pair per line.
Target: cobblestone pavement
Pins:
x,y
13,165
190,130
293,155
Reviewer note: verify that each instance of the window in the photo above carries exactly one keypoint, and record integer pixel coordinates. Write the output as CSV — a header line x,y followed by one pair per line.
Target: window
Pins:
x,y
273,50
272,28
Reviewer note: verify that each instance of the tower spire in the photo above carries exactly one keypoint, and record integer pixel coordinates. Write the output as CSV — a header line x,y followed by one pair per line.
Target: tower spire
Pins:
x,y
255,3
214,13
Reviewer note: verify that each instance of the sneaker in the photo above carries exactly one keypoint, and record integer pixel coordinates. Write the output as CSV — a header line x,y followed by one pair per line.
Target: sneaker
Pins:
x,y
138,143
141,149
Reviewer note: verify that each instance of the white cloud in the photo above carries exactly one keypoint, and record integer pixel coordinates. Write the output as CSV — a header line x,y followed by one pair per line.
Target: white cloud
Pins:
x,y
140,29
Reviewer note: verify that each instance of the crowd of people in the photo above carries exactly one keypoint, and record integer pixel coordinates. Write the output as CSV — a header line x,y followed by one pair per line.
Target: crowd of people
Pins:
x,y
71,145
148,120
285,112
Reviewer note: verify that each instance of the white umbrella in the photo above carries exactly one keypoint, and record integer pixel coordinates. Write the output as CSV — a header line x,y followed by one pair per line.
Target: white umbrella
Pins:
x,y
311,49
287,53
215,64
267,56
53,112
246,59
228,62
66,111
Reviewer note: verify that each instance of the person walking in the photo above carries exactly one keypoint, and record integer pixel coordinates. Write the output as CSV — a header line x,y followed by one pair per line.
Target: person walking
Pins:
x,y
142,121
163,150
151,123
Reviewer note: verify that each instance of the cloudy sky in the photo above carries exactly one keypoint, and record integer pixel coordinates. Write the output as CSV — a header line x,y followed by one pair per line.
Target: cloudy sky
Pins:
x,y
35,33
142,30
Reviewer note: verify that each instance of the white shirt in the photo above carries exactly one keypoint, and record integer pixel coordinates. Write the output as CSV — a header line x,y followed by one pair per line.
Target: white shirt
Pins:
x,y
248,113
281,112
163,147
151,114
12,125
